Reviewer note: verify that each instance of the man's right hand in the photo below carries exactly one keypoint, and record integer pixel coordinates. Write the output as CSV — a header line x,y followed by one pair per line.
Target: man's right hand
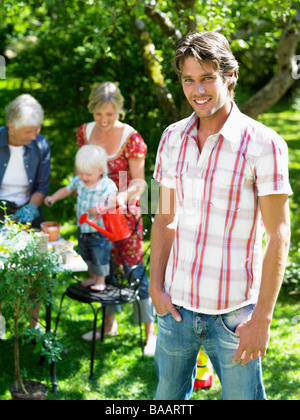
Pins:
x,y
163,304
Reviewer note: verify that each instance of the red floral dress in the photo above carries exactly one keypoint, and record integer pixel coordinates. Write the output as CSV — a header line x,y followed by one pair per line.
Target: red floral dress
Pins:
x,y
132,147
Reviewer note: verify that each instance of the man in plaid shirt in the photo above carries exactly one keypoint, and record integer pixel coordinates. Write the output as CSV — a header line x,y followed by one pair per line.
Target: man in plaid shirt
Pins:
x,y
224,177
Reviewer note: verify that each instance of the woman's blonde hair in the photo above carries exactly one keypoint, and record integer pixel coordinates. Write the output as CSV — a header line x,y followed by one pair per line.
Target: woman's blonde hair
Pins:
x,y
91,157
104,94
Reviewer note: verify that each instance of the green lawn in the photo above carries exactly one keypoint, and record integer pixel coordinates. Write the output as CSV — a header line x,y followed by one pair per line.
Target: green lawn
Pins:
x,y
121,373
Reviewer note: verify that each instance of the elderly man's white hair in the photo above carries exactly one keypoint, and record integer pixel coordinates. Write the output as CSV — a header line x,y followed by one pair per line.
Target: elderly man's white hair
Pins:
x,y
24,111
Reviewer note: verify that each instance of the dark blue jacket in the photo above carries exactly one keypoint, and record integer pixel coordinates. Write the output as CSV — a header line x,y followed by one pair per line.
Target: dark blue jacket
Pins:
x,y
36,160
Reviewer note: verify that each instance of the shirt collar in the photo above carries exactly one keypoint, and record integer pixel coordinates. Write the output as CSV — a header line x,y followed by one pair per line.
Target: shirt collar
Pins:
x,y
4,136
4,139
231,130
192,123
99,186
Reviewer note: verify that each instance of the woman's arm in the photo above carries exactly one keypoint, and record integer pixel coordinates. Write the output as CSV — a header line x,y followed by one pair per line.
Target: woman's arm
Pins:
x,y
137,185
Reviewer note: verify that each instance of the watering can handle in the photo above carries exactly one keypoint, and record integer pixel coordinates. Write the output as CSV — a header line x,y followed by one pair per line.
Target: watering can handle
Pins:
x,y
84,218
110,206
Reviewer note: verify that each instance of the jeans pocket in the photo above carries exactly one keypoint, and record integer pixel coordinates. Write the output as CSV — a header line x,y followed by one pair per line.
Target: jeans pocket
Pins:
x,y
163,315
168,312
230,321
228,328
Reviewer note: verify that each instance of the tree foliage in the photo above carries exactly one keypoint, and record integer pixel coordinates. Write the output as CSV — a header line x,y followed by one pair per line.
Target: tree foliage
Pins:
x,y
67,45
60,49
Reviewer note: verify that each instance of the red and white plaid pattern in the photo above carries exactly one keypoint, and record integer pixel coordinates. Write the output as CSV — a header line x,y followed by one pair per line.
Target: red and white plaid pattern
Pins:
x,y
216,258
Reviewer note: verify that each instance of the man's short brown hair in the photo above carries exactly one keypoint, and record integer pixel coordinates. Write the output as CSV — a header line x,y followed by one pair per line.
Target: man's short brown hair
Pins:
x,y
208,47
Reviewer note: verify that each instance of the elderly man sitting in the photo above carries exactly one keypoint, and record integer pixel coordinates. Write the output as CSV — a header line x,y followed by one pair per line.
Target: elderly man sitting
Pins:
x,y
24,167
24,161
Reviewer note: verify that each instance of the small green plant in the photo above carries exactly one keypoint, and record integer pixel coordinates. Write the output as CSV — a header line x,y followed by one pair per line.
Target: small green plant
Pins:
x,y
27,276
47,344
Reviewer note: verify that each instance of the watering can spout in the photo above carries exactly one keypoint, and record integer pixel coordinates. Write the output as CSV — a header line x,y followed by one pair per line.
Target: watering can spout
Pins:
x,y
116,228
83,218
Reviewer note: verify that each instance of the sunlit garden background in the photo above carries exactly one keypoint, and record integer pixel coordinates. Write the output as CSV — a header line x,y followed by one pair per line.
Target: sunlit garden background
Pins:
x,y
57,51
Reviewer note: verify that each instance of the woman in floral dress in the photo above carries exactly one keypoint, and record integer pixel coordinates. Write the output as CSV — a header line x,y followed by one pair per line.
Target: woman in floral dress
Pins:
x,y
126,164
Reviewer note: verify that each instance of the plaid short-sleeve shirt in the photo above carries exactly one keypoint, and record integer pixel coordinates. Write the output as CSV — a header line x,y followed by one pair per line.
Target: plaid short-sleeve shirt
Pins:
x,y
216,259
91,197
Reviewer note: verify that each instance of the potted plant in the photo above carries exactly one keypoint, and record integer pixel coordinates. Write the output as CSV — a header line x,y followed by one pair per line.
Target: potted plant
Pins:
x,y
27,276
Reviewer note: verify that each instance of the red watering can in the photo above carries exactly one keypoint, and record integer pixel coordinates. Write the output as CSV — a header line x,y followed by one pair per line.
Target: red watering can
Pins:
x,y
116,228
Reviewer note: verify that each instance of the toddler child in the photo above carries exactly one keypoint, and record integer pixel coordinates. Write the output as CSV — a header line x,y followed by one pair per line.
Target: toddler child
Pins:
x,y
93,187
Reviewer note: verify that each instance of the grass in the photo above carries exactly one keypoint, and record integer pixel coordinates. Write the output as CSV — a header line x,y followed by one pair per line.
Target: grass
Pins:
x,y
281,366
120,373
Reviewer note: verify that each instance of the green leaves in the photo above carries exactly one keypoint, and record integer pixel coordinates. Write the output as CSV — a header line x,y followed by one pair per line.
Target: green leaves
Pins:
x,y
47,344
26,275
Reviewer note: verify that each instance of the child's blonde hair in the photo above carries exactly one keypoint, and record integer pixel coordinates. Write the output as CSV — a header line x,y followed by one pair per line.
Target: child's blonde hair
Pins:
x,y
91,157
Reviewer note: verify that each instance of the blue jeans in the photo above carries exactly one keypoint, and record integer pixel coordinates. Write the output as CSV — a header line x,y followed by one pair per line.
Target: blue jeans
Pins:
x,y
95,249
146,305
178,345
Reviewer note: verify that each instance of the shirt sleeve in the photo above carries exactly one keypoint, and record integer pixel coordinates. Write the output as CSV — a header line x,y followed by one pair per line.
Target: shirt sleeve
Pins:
x,y
111,190
73,184
272,173
136,147
42,183
80,136
108,191
162,172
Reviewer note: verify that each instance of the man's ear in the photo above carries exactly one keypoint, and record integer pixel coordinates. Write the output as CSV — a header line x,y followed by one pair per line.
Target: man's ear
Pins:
x,y
230,79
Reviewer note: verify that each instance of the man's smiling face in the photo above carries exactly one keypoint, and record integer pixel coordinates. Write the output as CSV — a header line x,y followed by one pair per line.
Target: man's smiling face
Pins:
x,y
204,87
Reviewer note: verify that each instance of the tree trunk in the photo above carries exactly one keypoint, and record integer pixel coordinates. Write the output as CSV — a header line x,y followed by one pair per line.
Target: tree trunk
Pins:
x,y
191,20
154,71
183,109
17,351
270,94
